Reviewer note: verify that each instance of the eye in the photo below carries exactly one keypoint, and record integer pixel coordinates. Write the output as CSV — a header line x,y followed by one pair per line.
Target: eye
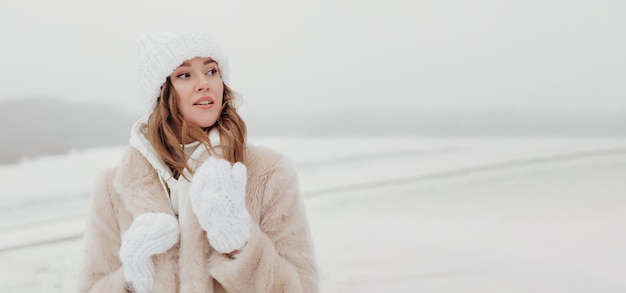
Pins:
x,y
211,71
183,75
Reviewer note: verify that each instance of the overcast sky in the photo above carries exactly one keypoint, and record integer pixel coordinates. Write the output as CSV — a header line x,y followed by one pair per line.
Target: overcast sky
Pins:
x,y
320,55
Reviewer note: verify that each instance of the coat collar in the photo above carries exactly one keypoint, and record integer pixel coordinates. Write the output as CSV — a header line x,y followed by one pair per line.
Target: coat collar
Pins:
x,y
142,179
139,141
138,185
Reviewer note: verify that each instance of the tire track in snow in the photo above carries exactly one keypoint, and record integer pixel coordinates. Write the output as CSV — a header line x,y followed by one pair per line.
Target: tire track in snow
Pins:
x,y
44,214
481,168
378,156
43,201
44,242
50,232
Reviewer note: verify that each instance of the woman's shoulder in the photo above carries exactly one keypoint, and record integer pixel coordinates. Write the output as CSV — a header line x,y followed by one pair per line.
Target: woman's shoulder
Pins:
x,y
131,162
257,150
273,171
264,159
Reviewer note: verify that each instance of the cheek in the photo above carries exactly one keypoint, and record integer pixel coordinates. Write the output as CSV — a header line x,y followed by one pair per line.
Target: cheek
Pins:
x,y
184,95
221,94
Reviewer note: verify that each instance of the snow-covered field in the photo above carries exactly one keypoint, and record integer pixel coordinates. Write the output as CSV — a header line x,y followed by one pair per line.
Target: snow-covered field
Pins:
x,y
399,214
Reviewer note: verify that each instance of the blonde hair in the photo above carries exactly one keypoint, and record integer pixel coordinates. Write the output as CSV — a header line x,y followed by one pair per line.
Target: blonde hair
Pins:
x,y
232,128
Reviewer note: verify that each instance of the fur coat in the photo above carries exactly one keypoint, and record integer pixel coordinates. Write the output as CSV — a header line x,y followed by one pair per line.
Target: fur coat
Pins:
x,y
278,257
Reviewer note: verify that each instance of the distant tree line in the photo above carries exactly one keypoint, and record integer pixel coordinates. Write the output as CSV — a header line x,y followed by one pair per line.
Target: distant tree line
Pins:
x,y
31,127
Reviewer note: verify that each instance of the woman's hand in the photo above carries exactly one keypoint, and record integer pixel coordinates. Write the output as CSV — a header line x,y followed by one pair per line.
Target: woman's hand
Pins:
x,y
218,198
149,234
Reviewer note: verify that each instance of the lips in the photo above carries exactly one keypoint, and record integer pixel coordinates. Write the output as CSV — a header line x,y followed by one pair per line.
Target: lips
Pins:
x,y
204,101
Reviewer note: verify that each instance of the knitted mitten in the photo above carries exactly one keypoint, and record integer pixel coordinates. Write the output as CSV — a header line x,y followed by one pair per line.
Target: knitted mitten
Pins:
x,y
218,198
149,234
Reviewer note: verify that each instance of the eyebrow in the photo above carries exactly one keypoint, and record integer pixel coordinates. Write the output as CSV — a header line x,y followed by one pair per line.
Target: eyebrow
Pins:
x,y
185,64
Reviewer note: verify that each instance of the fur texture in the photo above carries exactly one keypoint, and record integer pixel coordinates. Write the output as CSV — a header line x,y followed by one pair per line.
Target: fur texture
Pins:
x,y
279,256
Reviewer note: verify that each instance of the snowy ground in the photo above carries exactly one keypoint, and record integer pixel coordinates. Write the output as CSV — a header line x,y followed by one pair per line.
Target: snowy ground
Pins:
x,y
387,214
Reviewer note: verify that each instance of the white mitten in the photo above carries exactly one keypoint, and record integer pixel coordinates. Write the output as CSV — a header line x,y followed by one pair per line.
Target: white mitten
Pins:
x,y
218,198
149,234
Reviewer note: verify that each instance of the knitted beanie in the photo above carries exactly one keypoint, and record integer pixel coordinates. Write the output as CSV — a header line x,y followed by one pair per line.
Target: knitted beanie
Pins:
x,y
161,52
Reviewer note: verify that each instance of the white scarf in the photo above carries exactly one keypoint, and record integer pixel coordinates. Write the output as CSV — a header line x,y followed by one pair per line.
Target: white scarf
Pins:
x,y
178,188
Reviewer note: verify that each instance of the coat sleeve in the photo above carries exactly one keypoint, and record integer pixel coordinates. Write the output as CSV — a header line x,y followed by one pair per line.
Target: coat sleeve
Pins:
x,y
279,256
101,269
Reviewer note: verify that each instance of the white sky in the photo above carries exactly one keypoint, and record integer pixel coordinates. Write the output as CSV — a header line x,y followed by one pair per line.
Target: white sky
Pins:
x,y
320,55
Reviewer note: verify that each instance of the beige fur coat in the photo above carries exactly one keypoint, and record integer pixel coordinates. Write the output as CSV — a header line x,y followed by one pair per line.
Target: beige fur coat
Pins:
x,y
279,256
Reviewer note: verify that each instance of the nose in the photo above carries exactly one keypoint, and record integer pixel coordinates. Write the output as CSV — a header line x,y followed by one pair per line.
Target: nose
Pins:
x,y
202,83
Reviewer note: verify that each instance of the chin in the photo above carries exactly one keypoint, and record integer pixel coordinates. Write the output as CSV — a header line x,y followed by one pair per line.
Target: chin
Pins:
x,y
206,124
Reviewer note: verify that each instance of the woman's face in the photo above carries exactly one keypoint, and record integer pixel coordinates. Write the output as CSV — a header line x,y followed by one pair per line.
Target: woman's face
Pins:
x,y
200,91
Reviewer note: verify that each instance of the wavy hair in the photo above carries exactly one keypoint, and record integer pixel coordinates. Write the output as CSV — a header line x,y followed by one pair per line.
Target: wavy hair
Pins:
x,y
159,131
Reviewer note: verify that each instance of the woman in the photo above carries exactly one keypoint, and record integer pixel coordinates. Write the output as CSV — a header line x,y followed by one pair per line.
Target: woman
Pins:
x,y
191,207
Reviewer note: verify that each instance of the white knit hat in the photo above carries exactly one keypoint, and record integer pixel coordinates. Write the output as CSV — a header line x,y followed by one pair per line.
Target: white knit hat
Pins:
x,y
161,52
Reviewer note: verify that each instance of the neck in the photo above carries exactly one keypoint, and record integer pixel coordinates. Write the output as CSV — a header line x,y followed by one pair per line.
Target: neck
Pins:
x,y
178,131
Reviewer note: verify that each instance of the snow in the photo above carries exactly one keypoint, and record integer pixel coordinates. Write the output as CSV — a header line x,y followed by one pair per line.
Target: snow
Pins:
x,y
388,214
